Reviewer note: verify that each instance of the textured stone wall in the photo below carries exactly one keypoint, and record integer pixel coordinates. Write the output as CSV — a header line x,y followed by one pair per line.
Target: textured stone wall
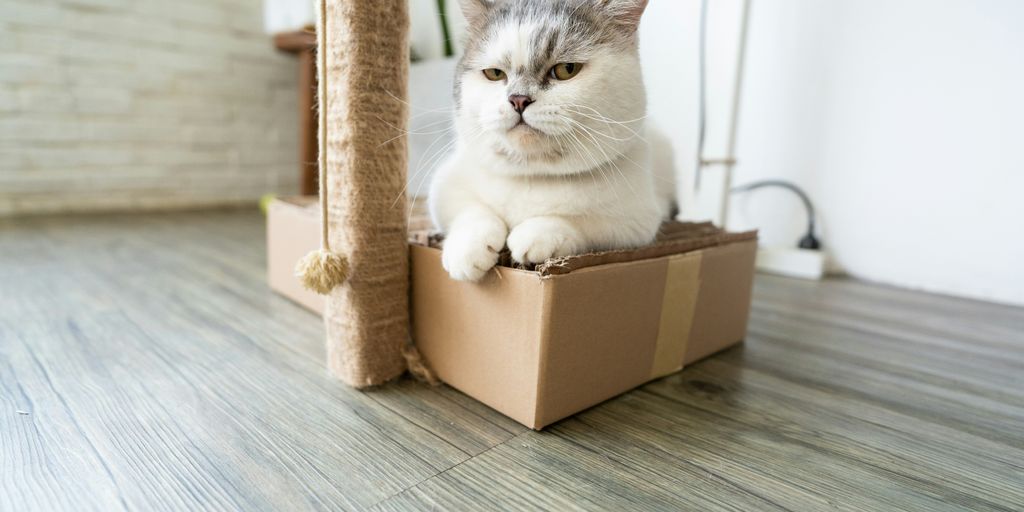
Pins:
x,y
142,104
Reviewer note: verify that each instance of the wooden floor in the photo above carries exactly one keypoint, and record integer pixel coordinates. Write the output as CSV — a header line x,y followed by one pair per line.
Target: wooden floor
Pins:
x,y
145,365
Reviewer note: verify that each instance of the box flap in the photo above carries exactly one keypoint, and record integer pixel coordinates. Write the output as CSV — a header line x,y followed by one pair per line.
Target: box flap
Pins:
x,y
674,237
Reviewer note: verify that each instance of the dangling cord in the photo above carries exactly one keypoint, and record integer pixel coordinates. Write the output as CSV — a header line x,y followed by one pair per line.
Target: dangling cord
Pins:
x,y
702,102
321,98
322,270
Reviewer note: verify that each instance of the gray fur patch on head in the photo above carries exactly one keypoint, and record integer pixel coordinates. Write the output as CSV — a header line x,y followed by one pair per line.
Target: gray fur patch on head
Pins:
x,y
568,31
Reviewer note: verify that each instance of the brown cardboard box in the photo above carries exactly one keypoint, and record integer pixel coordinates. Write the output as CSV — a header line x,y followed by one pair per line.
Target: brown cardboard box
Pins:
x,y
540,347
293,230
544,344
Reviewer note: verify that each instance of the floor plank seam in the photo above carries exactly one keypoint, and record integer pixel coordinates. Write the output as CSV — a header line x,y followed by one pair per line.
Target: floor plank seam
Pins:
x,y
477,415
832,453
839,455
908,409
691,464
426,430
441,473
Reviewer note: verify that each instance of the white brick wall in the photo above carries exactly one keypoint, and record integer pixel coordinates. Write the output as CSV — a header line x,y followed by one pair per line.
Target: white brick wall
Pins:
x,y
124,104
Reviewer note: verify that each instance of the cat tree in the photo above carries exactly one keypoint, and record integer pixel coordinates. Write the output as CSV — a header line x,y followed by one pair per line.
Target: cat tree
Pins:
x,y
363,265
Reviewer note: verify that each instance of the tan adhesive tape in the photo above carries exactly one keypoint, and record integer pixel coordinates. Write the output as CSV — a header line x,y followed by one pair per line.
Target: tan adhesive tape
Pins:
x,y
682,284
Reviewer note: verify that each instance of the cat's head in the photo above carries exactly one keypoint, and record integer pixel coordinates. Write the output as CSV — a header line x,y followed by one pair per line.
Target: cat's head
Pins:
x,y
550,86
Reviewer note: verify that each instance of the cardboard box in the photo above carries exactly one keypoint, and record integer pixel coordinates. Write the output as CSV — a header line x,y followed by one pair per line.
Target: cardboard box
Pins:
x,y
293,230
543,344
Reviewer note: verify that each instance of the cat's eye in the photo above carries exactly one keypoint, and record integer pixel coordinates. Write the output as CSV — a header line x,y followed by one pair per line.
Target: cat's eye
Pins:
x,y
494,74
566,70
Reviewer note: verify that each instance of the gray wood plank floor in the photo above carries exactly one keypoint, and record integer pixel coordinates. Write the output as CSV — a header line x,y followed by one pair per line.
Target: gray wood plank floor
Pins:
x,y
144,365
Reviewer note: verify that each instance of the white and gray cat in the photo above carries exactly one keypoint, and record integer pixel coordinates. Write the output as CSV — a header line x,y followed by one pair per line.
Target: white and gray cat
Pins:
x,y
550,157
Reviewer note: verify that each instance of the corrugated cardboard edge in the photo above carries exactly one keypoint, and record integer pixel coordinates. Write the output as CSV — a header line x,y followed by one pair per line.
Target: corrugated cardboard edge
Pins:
x,y
660,249
544,344
675,237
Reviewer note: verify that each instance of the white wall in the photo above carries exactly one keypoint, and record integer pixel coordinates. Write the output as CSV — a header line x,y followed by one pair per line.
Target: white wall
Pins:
x,y
903,118
669,38
109,104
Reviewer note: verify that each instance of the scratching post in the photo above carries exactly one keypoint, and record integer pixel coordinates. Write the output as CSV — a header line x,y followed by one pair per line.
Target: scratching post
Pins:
x,y
366,66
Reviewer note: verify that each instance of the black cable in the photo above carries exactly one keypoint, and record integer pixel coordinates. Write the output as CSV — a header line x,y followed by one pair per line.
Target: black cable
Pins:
x,y
809,241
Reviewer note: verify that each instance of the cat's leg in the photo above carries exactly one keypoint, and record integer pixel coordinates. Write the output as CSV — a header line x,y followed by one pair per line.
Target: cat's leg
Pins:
x,y
538,239
474,234
474,239
621,232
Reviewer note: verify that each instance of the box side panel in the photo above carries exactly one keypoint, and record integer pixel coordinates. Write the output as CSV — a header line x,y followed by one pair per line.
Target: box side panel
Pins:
x,y
723,302
304,202
601,337
292,232
482,338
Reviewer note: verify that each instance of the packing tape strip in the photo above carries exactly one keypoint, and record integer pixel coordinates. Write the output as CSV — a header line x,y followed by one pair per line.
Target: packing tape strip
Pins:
x,y
682,284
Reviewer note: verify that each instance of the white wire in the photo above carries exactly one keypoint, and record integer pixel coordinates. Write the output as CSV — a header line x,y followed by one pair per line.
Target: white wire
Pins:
x,y
702,105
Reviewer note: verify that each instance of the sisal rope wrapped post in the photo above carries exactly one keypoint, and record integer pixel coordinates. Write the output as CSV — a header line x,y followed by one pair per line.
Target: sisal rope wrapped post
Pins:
x,y
322,270
366,68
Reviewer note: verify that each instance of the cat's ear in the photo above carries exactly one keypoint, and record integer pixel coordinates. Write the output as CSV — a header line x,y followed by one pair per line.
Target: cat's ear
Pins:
x,y
626,13
475,10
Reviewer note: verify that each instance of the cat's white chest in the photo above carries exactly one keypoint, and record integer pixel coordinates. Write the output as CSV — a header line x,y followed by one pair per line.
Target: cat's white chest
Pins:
x,y
516,199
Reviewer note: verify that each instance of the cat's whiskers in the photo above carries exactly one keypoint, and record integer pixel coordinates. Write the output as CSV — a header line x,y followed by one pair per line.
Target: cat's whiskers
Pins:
x,y
575,177
423,110
606,120
432,165
610,121
640,167
609,160
403,132
444,121
589,159
598,115
426,112
598,170
428,162
420,169
434,132
598,132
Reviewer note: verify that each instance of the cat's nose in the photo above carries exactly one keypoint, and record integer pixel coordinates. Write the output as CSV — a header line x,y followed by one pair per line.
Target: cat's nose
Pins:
x,y
520,102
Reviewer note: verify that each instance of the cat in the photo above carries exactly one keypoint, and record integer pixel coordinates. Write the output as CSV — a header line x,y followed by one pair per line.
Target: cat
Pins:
x,y
551,158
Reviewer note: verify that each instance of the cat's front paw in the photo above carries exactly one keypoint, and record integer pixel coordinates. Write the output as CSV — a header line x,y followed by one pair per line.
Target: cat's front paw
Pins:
x,y
540,239
469,256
